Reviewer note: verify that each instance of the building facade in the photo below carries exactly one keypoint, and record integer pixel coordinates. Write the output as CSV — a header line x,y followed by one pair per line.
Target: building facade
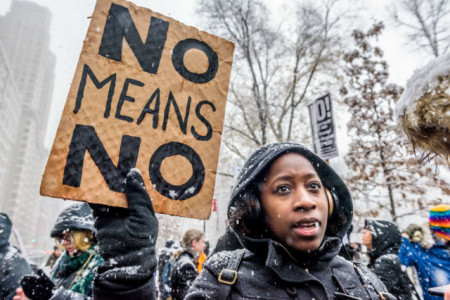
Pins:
x,y
25,35
10,115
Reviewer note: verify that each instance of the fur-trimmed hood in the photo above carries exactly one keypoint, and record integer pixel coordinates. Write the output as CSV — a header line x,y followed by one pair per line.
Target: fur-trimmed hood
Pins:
x,y
427,240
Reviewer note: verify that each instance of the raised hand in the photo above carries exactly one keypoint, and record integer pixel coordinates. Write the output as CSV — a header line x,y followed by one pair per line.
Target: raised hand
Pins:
x,y
37,287
127,237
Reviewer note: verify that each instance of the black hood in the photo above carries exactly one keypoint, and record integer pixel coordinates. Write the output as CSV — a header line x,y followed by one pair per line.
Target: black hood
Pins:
x,y
75,217
386,238
261,159
5,230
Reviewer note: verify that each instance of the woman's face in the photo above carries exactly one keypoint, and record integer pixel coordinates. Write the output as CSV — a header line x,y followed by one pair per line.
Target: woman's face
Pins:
x,y
367,238
199,246
294,203
67,241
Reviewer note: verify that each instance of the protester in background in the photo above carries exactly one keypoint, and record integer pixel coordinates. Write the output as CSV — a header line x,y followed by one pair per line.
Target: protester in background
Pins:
x,y
72,276
12,264
289,208
184,268
53,258
428,252
164,255
382,239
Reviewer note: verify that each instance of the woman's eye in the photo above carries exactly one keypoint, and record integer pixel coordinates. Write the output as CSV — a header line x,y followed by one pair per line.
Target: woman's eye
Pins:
x,y
282,189
315,185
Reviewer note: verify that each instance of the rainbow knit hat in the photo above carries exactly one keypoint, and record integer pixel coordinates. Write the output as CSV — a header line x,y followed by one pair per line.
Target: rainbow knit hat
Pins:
x,y
440,220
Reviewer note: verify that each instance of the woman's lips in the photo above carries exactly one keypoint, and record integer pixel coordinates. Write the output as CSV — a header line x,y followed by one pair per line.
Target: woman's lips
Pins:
x,y
307,227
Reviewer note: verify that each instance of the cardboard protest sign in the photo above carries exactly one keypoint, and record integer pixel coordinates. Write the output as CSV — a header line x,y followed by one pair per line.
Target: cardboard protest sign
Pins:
x,y
322,127
148,92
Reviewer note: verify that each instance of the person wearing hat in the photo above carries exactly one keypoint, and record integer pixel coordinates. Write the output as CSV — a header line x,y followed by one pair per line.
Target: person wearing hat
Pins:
x,y
73,273
382,239
290,211
426,248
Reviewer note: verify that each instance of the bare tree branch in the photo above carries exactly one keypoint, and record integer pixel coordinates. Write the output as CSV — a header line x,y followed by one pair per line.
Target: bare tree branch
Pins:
x,y
426,20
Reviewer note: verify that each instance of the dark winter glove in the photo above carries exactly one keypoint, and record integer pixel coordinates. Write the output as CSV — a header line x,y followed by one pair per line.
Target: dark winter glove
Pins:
x,y
37,287
127,237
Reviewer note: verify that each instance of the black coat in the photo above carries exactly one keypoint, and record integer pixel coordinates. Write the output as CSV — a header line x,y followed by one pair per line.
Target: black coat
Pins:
x,y
12,268
227,242
163,258
268,270
182,274
273,274
12,264
384,260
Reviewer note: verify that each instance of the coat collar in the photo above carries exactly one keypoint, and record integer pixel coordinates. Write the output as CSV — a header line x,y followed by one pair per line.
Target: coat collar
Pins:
x,y
288,266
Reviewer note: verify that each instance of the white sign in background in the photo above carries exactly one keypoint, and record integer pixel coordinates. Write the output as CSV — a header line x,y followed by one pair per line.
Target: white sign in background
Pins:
x,y
322,127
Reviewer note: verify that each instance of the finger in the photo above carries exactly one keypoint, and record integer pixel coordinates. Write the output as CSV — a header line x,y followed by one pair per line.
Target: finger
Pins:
x,y
136,193
41,273
44,276
19,291
105,210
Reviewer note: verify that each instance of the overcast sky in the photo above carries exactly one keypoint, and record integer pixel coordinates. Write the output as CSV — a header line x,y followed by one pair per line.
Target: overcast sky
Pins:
x,y
70,23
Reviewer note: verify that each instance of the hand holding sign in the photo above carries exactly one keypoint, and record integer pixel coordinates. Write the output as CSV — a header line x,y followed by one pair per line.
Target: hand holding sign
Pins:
x,y
127,237
148,92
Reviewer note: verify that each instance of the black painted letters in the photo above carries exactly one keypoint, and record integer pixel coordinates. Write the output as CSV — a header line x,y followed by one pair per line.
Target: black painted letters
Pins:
x,y
87,71
85,138
125,97
119,24
177,59
177,192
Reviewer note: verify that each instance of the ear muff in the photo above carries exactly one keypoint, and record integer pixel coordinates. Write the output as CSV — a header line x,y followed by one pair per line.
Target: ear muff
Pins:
x,y
333,202
251,219
255,220
255,213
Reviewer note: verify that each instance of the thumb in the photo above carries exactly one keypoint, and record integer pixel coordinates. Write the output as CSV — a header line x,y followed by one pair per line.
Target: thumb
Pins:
x,y
137,196
42,274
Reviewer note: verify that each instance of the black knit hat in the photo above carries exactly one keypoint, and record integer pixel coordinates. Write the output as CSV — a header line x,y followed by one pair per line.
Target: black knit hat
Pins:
x,y
386,237
75,217
261,159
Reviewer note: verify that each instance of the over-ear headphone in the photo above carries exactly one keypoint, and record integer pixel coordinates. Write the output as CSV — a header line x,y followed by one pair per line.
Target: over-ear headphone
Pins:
x,y
254,214
333,202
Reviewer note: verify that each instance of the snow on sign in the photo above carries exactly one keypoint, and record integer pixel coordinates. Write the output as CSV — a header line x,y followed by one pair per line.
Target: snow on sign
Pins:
x,y
322,126
148,92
